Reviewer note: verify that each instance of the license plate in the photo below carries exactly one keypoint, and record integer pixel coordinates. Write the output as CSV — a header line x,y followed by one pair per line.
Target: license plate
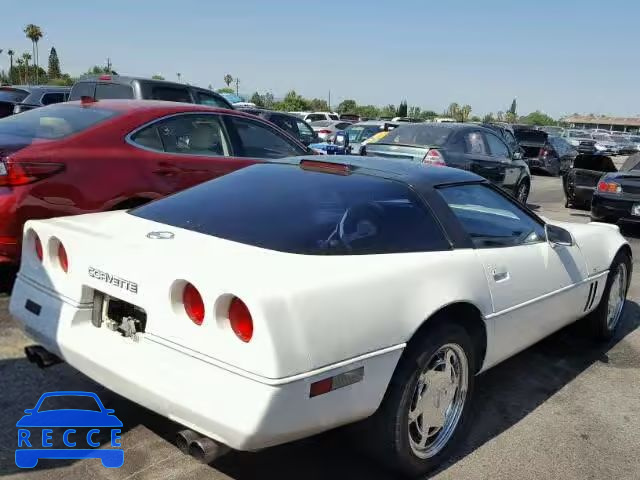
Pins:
x,y
635,210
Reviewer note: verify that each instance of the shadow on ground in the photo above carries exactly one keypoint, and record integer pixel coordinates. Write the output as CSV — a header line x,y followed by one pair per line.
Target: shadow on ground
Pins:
x,y
505,395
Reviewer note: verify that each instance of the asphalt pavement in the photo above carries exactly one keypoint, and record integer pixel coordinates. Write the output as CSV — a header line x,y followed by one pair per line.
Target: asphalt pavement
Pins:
x,y
564,409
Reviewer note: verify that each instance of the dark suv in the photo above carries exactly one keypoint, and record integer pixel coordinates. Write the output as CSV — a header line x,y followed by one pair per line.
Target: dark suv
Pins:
x,y
291,124
19,98
103,87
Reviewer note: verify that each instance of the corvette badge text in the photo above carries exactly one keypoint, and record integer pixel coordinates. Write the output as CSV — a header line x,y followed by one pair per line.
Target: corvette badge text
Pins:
x,y
113,280
52,431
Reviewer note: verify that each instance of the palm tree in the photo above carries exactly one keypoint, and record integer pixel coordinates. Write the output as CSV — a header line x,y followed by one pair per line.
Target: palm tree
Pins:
x,y
20,63
11,53
26,57
34,33
465,111
228,79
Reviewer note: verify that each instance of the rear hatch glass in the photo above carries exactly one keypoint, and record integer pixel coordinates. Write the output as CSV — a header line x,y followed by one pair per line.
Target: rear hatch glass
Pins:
x,y
54,121
13,95
417,135
531,137
291,209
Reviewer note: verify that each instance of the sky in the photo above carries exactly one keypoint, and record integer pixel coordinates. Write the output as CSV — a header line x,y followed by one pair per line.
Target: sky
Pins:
x,y
556,56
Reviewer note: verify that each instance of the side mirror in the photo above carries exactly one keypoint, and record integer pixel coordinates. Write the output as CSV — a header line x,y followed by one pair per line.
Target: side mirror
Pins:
x,y
558,236
517,156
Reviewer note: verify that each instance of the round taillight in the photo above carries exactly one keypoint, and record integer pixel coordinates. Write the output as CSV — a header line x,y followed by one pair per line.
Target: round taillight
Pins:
x,y
193,304
240,320
38,245
62,258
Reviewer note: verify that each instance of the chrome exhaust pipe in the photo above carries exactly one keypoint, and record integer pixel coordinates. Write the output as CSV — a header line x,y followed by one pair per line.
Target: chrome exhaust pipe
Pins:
x,y
41,356
206,450
184,438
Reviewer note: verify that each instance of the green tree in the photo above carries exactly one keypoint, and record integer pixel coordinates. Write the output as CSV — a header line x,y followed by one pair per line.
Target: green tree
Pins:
x,y
465,112
388,111
34,33
20,68
293,102
62,81
453,111
98,70
319,105
347,106
428,115
514,107
414,112
402,109
488,118
11,53
368,111
157,77
26,57
475,118
257,99
538,118
269,101
510,117
228,79
54,64
226,90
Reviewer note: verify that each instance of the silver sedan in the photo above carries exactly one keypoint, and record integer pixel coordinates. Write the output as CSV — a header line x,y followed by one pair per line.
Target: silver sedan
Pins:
x,y
326,128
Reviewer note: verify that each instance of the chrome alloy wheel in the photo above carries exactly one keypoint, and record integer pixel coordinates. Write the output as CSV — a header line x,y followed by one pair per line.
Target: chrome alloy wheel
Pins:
x,y
617,294
438,400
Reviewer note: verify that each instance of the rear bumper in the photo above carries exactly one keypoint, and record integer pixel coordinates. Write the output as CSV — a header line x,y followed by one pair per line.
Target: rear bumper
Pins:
x,y
245,412
10,227
609,208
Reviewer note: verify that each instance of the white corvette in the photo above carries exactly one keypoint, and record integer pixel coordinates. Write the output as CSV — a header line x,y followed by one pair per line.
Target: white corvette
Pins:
x,y
290,298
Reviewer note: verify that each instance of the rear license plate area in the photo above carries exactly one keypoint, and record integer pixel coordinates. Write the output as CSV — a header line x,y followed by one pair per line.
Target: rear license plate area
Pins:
x,y
117,315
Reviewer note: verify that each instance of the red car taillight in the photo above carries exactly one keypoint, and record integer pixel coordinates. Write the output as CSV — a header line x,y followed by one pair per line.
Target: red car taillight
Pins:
x,y
609,187
193,304
544,151
17,173
434,157
38,246
324,132
62,258
240,319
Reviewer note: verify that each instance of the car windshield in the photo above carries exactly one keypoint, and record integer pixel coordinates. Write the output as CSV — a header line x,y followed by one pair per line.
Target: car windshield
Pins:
x,y
579,135
66,402
293,209
53,122
418,134
13,95
359,133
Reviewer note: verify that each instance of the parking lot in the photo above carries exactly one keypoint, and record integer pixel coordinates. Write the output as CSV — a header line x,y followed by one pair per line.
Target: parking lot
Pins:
x,y
565,408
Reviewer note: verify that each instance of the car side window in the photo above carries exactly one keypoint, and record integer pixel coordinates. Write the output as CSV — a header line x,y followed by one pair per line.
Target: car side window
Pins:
x,y
314,117
171,94
307,135
496,146
491,219
258,140
186,134
288,124
511,140
208,99
49,98
475,144
83,89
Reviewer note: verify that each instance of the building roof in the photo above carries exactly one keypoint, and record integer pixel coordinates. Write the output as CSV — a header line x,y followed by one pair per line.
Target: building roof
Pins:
x,y
594,120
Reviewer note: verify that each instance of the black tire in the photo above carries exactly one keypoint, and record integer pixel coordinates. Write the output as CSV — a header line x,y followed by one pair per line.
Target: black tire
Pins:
x,y
523,190
597,320
388,429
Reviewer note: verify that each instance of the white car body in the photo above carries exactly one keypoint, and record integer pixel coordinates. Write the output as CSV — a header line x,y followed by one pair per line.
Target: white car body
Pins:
x,y
314,317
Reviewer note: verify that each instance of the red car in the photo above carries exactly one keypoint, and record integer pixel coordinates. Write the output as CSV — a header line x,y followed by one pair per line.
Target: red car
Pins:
x,y
82,157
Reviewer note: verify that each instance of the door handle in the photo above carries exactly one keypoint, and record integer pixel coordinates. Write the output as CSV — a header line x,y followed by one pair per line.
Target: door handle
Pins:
x,y
500,275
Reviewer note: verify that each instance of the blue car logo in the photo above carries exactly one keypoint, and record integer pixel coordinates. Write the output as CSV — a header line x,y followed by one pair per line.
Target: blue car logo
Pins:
x,y
36,431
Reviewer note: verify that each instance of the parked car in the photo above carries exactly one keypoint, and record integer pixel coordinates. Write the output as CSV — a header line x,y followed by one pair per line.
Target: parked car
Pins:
x,y
465,146
507,133
20,98
316,116
574,137
237,101
617,195
398,283
104,87
407,120
625,145
74,158
605,144
351,117
327,128
582,179
542,152
360,133
291,124
635,139
551,130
